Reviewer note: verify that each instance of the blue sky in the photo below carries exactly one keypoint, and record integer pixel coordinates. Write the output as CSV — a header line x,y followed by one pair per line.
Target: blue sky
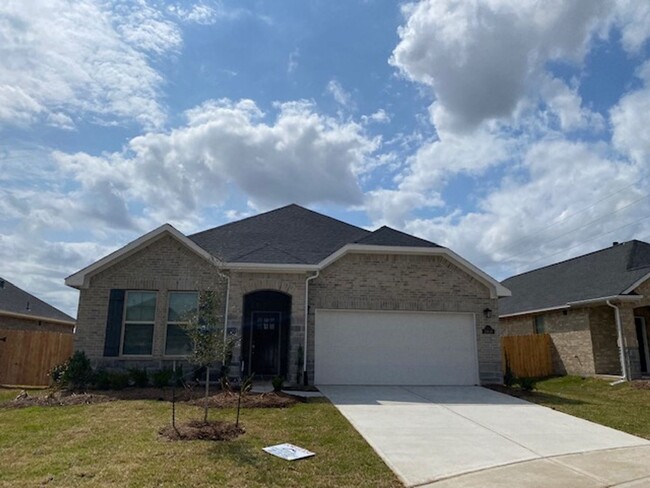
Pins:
x,y
513,132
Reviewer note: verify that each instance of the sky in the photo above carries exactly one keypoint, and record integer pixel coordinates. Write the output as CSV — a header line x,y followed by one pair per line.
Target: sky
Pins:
x,y
514,132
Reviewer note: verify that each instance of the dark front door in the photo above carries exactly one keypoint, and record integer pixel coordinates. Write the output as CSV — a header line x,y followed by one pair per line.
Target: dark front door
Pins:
x,y
265,341
265,346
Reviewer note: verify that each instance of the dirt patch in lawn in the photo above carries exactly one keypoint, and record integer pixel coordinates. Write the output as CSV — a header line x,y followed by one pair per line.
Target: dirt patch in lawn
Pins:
x,y
55,399
248,400
641,384
213,430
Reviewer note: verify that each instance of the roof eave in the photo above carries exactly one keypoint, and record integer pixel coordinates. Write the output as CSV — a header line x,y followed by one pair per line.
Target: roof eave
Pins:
x,y
26,316
576,303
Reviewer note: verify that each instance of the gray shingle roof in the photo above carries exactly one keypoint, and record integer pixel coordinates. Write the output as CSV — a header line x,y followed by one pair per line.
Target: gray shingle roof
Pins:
x,y
385,236
293,235
603,273
15,300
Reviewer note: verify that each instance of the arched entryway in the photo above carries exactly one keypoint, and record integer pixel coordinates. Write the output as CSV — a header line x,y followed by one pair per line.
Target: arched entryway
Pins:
x,y
265,341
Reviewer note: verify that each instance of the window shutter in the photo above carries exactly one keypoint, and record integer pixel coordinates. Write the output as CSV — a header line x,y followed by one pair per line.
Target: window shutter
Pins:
x,y
114,323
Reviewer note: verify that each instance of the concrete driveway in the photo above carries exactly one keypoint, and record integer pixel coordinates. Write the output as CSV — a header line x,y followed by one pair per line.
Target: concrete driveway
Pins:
x,y
428,434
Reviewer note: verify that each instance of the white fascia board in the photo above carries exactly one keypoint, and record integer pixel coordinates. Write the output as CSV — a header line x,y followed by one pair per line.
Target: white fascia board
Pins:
x,y
530,312
578,303
80,278
635,285
496,288
5,313
618,298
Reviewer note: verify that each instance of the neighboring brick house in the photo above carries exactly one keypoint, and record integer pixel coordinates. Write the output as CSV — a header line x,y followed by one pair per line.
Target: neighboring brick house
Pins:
x,y
23,311
585,304
314,299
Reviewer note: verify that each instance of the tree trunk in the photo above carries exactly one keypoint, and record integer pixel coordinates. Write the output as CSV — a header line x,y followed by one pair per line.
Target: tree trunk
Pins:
x,y
207,394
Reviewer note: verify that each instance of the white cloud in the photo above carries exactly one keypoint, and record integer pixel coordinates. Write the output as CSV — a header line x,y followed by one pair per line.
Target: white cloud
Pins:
x,y
342,97
483,58
60,59
300,156
531,220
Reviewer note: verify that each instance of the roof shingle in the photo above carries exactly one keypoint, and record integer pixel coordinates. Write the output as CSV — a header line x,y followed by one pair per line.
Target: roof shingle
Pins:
x,y
16,300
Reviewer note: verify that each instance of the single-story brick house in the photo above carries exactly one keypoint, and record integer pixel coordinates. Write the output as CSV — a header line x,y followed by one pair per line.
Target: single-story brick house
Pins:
x,y
589,305
313,299
20,310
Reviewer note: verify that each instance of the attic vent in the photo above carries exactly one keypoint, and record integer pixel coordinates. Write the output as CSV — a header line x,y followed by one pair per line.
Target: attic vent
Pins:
x,y
2,284
615,243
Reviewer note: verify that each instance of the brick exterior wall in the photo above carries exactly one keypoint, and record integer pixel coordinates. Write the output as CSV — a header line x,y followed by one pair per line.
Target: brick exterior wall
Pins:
x,y
164,265
605,340
407,283
362,282
8,322
571,350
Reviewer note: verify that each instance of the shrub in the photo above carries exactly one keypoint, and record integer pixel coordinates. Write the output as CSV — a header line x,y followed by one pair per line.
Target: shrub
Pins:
x,y
118,380
277,383
75,374
162,377
101,380
527,384
509,377
139,377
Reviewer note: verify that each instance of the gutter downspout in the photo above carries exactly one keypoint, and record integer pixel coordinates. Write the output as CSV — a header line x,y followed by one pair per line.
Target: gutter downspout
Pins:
x,y
305,378
621,344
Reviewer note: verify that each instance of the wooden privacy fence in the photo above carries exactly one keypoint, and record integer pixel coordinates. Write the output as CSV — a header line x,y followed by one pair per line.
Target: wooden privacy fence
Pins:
x,y
26,356
528,355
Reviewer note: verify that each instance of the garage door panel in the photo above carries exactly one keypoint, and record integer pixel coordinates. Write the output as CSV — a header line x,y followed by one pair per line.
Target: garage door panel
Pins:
x,y
395,348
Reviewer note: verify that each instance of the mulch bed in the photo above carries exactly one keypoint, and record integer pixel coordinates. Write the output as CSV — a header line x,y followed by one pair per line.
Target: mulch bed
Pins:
x,y
191,396
56,399
213,430
248,400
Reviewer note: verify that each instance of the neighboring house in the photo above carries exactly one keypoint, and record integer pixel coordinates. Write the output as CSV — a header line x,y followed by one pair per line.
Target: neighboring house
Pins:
x,y
21,310
587,304
314,299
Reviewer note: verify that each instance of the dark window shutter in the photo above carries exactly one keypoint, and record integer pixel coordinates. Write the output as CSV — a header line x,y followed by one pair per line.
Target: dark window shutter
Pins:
x,y
114,323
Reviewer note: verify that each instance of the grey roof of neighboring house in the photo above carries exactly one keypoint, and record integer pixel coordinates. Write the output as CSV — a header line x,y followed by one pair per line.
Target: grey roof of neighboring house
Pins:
x,y
293,235
15,300
603,273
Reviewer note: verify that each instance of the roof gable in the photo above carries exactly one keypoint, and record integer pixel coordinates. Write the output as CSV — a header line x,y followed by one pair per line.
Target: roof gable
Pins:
x,y
14,300
604,273
80,278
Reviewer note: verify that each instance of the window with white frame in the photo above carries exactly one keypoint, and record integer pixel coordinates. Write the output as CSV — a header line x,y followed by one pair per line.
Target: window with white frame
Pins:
x,y
180,305
139,319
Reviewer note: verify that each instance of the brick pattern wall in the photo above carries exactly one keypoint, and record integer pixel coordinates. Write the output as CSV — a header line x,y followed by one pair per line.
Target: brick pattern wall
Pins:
x,y
605,340
162,266
7,322
571,350
407,283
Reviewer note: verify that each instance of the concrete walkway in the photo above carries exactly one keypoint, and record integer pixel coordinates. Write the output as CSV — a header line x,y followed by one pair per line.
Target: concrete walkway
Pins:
x,y
428,434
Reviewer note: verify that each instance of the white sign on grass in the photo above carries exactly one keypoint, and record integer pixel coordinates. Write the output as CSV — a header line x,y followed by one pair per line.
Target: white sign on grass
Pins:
x,y
288,451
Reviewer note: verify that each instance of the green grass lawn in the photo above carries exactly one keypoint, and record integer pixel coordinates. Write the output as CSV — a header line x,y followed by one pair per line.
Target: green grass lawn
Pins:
x,y
117,444
622,406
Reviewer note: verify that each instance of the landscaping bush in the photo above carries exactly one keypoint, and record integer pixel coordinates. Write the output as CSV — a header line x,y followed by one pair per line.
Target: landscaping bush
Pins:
x,y
118,380
277,383
527,384
162,377
101,380
75,374
509,378
139,377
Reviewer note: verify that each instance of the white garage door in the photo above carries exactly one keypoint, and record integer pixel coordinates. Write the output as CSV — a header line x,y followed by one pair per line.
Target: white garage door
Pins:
x,y
395,348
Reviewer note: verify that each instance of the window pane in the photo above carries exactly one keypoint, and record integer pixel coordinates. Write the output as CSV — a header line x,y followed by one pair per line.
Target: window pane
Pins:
x,y
178,343
140,306
180,305
138,339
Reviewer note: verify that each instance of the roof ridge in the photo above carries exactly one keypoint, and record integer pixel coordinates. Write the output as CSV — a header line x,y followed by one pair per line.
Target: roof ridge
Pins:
x,y
608,248
227,224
